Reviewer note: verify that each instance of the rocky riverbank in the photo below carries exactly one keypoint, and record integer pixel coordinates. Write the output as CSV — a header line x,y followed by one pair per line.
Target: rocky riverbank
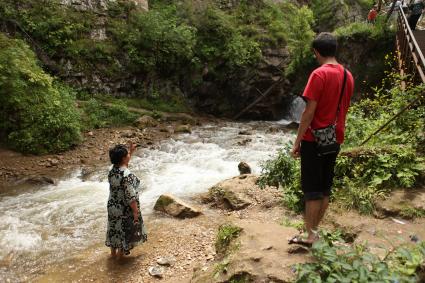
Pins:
x,y
196,250
235,231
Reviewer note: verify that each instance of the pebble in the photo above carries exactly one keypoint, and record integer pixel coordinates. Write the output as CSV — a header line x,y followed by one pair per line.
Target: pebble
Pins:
x,y
165,261
156,271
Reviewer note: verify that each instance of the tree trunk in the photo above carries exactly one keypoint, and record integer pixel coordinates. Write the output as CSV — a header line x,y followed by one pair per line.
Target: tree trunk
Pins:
x,y
391,10
379,6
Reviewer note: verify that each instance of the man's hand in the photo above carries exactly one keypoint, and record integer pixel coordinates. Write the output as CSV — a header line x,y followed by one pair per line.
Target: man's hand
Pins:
x,y
295,152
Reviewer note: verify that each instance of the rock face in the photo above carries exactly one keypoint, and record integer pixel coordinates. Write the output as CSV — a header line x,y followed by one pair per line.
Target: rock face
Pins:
x,y
212,96
175,207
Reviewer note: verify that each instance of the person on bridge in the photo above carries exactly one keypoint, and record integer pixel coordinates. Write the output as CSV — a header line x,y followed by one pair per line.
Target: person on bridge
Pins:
x,y
125,223
373,13
416,8
327,94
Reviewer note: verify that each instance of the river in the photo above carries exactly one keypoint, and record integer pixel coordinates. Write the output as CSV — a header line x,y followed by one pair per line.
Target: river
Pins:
x,y
41,226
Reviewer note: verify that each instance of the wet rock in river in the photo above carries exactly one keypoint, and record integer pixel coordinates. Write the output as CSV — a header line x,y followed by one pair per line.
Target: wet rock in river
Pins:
x,y
175,207
244,142
244,168
245,133
183,129
38,180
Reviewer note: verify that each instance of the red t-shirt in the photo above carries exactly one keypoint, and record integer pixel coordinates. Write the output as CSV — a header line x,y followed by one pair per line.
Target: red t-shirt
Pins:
x,y
324,87
372,15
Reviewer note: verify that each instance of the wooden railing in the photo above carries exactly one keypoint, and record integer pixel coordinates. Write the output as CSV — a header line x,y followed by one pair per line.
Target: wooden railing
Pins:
x,y
411,59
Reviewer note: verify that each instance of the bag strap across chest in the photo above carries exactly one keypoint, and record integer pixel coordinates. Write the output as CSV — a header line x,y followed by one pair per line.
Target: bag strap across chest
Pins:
x,y
341,94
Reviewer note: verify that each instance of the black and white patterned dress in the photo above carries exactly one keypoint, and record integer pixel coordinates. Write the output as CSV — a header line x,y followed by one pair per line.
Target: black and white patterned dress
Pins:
x,y
123,187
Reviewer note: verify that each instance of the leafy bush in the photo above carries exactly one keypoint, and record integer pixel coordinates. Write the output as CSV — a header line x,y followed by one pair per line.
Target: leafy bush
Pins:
x,y
284,172
54,26
156,40
385,167
221,41
378,31
357,264
358,196
368,115
98,115
38,115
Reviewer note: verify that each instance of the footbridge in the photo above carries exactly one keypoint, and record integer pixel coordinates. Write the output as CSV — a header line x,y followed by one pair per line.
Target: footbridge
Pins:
x,y
410,49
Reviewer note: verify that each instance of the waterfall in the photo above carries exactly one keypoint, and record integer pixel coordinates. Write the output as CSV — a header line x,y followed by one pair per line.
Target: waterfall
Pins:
x,y
296,108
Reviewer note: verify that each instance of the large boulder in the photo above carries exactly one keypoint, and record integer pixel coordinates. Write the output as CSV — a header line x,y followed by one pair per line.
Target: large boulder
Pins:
x,y
239,192
175,207
231,194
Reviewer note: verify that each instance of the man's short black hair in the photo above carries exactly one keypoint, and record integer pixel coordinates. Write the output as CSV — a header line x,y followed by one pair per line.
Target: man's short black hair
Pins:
x,y
117,153
325,43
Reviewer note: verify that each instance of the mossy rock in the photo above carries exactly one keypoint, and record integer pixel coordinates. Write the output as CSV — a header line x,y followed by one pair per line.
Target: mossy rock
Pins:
x,y
175,207
224,196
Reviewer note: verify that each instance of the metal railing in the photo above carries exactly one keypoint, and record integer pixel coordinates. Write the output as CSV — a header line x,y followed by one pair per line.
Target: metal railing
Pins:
x,y
411,59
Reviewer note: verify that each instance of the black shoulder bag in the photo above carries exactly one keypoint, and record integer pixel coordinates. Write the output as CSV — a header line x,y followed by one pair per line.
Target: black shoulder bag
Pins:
x,y
326,137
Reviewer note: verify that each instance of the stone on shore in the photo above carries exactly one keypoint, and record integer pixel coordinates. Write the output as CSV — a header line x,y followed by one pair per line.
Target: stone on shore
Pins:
x,y
175,207
156,271
145,122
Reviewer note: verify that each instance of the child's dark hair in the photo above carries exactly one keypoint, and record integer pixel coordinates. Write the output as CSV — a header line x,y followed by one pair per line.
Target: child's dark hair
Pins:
x,y
117,153
326,44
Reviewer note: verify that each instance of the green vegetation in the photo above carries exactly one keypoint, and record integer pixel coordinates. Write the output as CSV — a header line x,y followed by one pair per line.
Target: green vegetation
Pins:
x,y
171,40
226,233
340,263
330,14
284,172
224,246
98,115
297,224
409,212
38,115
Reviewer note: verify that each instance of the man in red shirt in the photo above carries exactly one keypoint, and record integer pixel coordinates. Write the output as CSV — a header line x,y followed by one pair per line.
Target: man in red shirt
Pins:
x,y
373,13
322,95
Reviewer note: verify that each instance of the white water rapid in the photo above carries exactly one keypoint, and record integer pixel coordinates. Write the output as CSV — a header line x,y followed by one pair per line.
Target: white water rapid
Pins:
x,y
39,226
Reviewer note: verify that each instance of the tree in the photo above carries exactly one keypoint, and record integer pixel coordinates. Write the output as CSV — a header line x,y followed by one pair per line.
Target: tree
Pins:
x,y
391,10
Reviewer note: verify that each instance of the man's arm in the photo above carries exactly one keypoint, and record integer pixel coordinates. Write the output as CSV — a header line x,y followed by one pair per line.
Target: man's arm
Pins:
x,y
306,119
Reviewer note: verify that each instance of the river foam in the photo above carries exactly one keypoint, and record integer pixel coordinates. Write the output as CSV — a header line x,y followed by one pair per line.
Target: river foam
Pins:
x,y
48,224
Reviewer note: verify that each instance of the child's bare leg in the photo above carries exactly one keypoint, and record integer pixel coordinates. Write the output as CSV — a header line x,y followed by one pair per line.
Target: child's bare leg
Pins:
x,y
113,252
120,254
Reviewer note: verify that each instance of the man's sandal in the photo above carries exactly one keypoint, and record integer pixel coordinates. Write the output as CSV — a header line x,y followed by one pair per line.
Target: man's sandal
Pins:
x,y
299,241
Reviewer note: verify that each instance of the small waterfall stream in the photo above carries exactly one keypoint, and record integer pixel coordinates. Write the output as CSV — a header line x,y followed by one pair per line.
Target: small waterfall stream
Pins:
x,y
40,226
